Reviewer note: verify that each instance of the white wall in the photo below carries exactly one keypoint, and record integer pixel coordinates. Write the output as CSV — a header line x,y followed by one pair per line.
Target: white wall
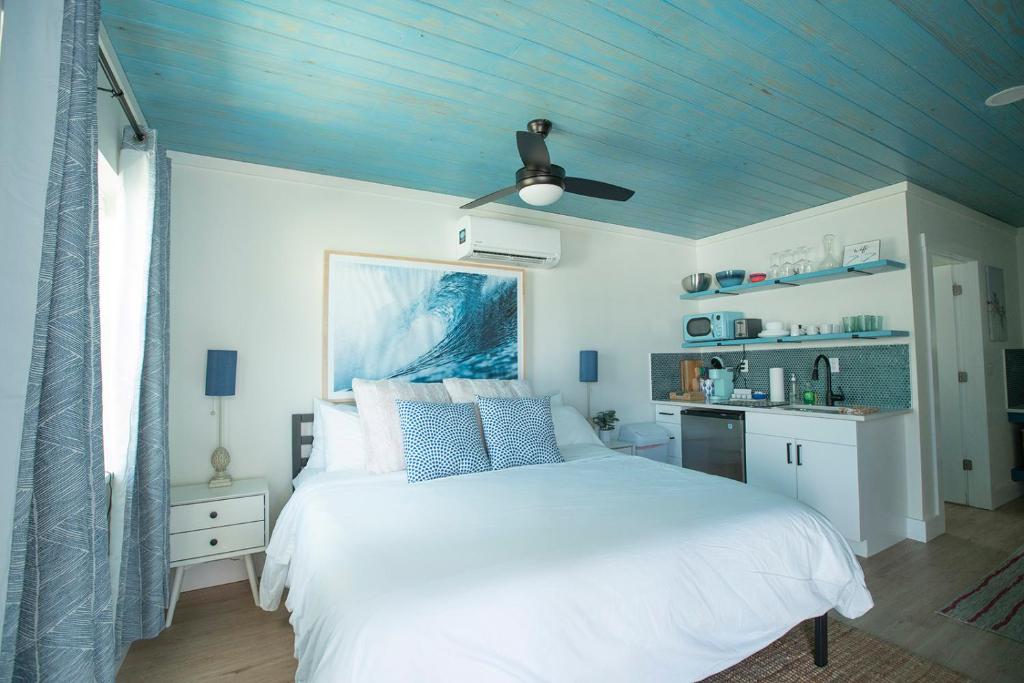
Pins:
x,y
247,249
29,67
874,215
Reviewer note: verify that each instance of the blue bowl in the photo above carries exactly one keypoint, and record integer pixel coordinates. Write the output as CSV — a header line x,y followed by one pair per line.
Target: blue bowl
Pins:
x,y
730,278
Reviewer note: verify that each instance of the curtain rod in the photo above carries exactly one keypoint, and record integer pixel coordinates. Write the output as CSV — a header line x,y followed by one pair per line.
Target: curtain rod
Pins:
x,y
117,93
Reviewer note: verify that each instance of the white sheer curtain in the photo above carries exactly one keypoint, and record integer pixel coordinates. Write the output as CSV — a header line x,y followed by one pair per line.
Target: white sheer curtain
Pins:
x,y
126,236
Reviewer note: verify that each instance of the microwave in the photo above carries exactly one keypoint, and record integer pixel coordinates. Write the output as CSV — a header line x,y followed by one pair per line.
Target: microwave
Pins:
x,y
710,326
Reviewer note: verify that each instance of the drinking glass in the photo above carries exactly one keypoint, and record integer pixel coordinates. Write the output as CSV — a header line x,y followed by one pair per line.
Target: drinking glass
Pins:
x,y
787,262
774,271
851,323
805,260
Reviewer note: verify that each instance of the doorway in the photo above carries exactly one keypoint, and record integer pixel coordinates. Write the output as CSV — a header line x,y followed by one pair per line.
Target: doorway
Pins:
x,y
962,430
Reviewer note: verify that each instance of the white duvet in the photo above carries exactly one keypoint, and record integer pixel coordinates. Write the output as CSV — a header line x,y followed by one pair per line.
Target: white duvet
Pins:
x,y
603,568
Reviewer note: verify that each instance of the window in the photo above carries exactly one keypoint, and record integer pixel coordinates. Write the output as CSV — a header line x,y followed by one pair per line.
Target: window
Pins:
x,y
123,271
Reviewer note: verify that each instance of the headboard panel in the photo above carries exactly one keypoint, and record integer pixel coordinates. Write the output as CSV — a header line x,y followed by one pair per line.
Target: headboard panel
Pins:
x,y
299,440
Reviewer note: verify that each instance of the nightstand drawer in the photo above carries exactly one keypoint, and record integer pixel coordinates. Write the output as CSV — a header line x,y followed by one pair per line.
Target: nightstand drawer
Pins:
x,y
193,544
216,513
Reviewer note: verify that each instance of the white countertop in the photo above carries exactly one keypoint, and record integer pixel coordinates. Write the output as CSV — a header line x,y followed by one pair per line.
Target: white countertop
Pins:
x,y
882,414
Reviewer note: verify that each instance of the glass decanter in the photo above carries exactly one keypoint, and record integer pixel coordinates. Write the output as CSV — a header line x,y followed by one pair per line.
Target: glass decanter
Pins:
x,y
829,260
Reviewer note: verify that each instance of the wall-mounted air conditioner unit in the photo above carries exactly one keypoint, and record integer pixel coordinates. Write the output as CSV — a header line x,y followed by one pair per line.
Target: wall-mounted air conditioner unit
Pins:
x,y
488,240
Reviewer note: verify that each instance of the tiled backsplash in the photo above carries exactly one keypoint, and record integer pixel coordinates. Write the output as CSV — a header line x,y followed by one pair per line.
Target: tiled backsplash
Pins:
x,y
1014,377
868,375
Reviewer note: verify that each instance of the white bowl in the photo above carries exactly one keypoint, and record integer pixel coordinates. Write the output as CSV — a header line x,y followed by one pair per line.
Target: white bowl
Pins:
x,y
774,325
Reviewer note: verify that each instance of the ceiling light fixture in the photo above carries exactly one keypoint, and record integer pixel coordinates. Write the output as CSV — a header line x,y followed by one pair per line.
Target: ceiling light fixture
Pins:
x,y
1008,96
541,194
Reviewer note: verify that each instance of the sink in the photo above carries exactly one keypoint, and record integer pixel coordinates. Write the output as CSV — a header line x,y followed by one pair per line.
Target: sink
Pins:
x,y
813,409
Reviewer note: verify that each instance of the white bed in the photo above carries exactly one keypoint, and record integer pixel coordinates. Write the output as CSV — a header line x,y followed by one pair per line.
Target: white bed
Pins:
x,y
603,568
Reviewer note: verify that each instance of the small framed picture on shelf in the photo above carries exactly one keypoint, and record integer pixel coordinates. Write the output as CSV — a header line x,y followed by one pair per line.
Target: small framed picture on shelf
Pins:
x,y
862,252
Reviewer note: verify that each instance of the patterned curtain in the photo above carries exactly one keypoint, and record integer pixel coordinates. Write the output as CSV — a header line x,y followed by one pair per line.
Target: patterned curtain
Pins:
x,y
142,589
58,623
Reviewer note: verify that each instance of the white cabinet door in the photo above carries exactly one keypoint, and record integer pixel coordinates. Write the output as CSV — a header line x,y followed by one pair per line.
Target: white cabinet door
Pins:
x,y
667,415
771,463
827,481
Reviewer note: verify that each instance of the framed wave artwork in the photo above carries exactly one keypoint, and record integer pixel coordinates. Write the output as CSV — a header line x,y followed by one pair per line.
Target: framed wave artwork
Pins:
x,y
419,320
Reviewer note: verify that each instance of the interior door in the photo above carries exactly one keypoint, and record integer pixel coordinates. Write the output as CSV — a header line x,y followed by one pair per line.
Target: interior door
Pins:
x,y
826,479
771,463
950,437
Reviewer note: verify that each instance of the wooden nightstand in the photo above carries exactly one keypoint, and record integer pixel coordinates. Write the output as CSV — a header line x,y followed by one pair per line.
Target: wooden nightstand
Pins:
x,y
622,447
216,524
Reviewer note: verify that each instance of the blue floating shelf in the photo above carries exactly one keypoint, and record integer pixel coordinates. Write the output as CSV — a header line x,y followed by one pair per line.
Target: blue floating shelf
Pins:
x,y
876,334
842,272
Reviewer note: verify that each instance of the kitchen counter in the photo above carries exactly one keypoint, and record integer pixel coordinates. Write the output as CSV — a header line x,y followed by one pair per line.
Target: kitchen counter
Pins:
x,y
779,410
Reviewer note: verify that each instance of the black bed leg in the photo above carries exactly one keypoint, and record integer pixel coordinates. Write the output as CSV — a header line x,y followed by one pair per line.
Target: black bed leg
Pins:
x,y
821,640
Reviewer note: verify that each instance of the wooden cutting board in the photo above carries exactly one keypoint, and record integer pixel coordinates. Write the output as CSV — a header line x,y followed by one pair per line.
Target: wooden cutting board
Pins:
x,y
689,380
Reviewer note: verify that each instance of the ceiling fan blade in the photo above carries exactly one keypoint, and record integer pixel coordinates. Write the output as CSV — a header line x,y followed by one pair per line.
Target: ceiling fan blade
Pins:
x,y
595,188
489,198
532,149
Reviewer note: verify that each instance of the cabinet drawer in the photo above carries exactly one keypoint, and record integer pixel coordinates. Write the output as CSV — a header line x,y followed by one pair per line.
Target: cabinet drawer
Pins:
x,y
666,413
192,544
216,513
803,428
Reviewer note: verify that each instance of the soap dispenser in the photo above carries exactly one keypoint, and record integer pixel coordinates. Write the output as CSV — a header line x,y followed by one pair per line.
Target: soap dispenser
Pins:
x,y
794,390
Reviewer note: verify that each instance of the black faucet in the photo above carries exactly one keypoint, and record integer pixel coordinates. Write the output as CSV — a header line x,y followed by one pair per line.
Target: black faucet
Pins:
x,y
830,398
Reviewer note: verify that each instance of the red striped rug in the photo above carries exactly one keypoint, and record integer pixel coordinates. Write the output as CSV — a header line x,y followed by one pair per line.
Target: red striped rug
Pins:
x,y
996,604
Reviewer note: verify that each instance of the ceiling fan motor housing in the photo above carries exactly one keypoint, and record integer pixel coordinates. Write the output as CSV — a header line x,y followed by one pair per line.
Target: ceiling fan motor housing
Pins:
x,y
555,175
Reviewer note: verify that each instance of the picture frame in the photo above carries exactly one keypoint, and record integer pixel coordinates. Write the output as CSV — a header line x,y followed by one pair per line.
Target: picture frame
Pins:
x,y
995,300
862,252
392,317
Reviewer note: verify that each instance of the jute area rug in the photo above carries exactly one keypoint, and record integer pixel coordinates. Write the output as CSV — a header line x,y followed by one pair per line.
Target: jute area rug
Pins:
x,y
853,655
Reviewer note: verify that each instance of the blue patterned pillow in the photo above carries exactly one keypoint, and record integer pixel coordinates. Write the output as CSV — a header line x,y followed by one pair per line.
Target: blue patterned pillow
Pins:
x,y
518,431
441,440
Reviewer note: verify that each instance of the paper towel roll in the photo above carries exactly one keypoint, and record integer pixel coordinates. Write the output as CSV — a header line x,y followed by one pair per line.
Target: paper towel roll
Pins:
x,y
777,385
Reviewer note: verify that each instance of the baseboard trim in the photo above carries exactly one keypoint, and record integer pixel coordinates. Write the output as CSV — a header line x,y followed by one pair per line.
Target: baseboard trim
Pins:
x,y
924,530
1010,490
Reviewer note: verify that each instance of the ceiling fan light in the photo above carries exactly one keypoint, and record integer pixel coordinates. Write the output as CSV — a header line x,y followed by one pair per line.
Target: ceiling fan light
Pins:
x,y
541,194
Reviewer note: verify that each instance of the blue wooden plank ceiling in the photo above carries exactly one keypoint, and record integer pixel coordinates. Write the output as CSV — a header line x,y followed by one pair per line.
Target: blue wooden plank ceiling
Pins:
x,y
719,114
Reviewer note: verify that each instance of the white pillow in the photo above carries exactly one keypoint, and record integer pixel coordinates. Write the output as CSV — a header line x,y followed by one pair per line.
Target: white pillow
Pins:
x,y
317,458
571,427
466,390
344,446
379,417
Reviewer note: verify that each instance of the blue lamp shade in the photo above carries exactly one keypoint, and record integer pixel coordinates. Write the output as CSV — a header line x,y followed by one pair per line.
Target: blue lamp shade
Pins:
x,y
220,372
588,366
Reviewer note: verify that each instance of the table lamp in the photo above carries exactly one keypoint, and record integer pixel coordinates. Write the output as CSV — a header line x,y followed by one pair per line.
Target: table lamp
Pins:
x,y
588,373
220,382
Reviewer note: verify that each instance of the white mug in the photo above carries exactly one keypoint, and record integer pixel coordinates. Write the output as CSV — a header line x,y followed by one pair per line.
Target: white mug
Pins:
x,y
795,330
812,329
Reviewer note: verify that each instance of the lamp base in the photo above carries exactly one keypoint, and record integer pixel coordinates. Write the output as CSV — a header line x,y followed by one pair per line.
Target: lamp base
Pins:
x,y
220,461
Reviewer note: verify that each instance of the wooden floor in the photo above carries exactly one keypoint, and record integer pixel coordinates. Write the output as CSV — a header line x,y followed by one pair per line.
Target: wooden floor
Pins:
x,y
910,581
219,635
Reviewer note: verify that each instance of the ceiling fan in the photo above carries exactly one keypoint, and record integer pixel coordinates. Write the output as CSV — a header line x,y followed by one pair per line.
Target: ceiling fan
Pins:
x,y
540,182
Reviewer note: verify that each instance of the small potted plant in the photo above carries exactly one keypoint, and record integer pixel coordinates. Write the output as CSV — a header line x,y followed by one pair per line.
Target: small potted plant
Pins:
x,y
605,423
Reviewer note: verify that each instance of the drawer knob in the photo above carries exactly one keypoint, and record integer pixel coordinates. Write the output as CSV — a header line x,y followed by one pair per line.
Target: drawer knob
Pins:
x,y
213,541
213,515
